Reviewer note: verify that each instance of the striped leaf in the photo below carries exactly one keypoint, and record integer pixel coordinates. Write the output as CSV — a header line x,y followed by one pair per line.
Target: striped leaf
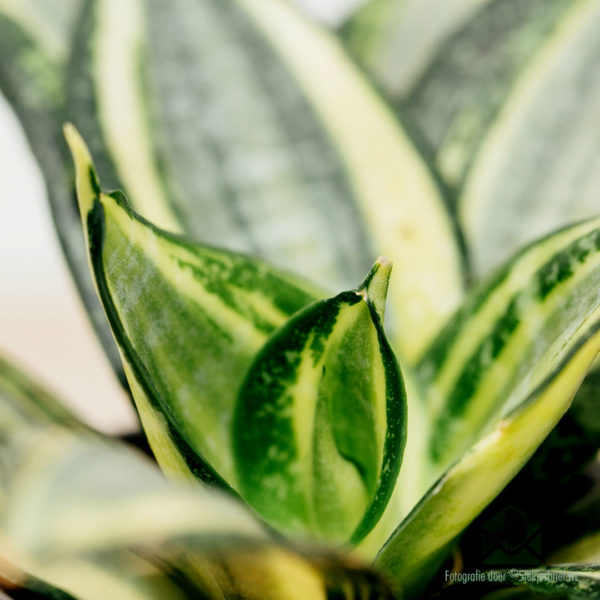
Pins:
x,y
527,338
88,518
510,334
518,170
188,320
319,426
220,123
397,39
35,42
452,76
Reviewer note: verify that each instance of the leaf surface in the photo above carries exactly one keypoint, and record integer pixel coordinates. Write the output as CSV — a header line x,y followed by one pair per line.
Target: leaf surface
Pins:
x,y
527,338
520,186
35,39
397,39
320,423
188,320
219,123
508,337
85,517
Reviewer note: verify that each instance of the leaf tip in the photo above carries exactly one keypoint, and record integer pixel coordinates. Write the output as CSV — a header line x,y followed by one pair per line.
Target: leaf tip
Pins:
x,y
86,179
375,285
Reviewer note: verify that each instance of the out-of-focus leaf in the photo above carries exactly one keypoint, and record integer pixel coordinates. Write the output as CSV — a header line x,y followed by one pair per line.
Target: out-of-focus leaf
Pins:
x,y
95,519
34,42
188,320
520,185
584,550
509,337
320,423
246,126
396,40
452,90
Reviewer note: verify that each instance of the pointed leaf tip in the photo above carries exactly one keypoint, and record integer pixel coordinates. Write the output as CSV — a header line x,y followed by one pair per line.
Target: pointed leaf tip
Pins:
x,y
319,425
375,285
86,179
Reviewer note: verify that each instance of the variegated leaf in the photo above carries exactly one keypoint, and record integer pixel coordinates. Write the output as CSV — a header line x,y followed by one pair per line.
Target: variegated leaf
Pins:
x,y
188,320
220,123
520,186
397,39
319,427
88,518
464,71
508,337
527,338
584,550
35,38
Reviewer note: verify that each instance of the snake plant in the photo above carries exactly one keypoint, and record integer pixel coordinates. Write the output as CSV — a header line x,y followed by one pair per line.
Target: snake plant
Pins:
x,y
231,175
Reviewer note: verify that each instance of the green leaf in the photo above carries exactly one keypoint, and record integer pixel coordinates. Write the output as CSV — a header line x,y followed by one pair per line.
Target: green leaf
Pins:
x,y
518,170
508,337
396,40
89,517
188,320
421,543
451,77
34,39
320,423
222,119
472,77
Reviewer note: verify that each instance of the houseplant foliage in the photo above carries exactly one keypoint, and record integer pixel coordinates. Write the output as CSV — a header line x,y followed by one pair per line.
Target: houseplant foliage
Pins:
x,y
263,173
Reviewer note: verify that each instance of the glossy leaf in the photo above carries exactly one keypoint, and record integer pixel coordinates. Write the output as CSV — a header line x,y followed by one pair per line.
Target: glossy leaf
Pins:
x,y
320,423
188,320
421,543
220,123
508,337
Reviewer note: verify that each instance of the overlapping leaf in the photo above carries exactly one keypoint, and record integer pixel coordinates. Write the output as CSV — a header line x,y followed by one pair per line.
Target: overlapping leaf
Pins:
x,y
35,38
188,320
220,123
537,168
498,346
87,518
527,338
397,39
320,423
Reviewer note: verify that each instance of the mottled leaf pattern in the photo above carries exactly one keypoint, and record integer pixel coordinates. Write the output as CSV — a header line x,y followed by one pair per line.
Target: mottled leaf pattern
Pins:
x,y
188,320
319,426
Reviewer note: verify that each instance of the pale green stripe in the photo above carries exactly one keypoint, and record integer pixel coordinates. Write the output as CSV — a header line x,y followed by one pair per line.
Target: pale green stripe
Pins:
x,y
118,42
400,203
486,207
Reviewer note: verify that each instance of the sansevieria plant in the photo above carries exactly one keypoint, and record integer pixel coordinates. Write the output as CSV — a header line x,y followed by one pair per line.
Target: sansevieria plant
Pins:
x,y
229,179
